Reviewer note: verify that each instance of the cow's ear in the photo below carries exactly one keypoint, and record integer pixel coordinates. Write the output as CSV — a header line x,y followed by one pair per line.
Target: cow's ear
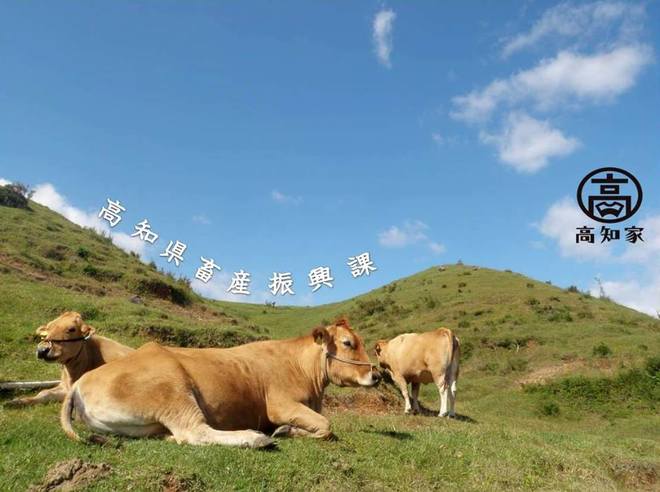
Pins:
x,y
87,329
42,331
321,335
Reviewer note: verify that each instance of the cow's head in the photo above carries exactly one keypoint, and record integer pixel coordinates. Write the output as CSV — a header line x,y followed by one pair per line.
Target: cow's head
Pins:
x,y
346,360
62,338
381,353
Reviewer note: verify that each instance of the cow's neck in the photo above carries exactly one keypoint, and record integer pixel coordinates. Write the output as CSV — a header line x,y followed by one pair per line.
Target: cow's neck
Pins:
x,y
80,364
312,366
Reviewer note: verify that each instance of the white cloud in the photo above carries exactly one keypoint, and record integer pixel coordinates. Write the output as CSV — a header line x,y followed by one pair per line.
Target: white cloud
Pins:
x,y
437,248
567,78
382,35
201,219
648,251
46,195
642,293
567,21
560,223
411,232
640,296
526,143
282,198
4,182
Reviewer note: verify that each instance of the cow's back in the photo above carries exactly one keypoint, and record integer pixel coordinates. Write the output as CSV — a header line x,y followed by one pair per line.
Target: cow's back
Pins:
x,y
420,357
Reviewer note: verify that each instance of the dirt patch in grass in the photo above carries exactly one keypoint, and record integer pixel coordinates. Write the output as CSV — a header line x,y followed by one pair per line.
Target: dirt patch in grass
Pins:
x,y
71,475
635,475
380,401
543,374
175,483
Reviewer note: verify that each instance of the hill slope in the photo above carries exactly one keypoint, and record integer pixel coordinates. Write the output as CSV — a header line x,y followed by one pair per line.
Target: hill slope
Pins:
x,y
587,355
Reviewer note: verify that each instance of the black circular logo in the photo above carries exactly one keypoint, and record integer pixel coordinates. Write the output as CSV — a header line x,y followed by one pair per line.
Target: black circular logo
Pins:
x,y
609,195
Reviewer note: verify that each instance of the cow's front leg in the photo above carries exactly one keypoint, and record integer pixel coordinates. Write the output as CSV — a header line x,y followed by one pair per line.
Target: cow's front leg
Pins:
x,y
52,394
403,387
296,419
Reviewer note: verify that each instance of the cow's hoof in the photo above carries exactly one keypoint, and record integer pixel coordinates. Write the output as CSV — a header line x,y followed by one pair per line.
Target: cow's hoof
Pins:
x,y
443,415
407,411
282,431
264,442
331,437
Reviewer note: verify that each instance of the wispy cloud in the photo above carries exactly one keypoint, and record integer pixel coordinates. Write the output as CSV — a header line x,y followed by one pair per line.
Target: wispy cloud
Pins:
x,y
4,182
411,232
526,144
579,23
383,24
201,219
566,78
604,60
282,198
46,195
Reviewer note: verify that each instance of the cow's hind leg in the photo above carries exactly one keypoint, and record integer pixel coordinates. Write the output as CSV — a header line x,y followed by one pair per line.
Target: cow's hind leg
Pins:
x,y
203,434
415,397
443,390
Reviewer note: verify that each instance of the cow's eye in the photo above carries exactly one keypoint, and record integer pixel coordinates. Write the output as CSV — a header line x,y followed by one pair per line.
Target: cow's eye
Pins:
x,y
347,343
72,329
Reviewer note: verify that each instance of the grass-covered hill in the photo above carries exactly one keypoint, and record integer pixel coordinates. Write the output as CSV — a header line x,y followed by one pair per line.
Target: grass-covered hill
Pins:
x,y
558,390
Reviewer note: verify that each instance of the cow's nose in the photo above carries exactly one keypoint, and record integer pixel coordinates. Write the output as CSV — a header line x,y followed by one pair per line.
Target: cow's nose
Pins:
x,y
42,352
376,376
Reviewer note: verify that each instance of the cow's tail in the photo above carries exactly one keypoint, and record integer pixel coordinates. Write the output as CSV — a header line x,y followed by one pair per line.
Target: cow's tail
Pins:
x,y
66,415
66,420
451,372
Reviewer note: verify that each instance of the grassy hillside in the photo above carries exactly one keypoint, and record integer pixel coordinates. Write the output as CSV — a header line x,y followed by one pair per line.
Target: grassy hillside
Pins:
x,y
558,389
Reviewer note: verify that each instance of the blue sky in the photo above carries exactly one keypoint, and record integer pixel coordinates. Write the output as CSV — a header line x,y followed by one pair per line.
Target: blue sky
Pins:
x,y
284,136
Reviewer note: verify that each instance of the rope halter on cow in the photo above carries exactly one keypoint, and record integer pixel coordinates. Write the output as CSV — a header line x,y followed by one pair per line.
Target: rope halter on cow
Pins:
x,y
328,355
50,341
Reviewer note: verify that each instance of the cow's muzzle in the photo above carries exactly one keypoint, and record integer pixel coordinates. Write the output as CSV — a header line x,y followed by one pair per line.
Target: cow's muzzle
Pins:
x,y
42,352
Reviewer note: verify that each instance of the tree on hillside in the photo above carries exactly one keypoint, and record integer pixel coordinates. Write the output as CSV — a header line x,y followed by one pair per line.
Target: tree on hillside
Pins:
x,y
15,195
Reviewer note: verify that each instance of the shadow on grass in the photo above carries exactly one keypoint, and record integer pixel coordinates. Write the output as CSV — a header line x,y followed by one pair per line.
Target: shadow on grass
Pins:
x,y
400,436
427,412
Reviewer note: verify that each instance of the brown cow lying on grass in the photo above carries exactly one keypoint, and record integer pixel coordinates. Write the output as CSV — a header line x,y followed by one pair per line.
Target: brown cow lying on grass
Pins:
x,y
69,341
211,396
417,358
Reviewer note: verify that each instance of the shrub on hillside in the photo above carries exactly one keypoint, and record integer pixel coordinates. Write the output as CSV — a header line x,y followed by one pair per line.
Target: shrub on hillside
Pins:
x,y
57,252
549,409
83,252
159,288
15,195
101,274
183,337
633,388
601,350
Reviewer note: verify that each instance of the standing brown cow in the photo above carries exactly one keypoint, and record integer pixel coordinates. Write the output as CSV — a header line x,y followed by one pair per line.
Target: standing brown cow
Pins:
x,y
211,396
420,358
69,341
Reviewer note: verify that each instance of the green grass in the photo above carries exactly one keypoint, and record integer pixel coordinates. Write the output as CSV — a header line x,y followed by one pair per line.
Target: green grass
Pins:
x,y
594,427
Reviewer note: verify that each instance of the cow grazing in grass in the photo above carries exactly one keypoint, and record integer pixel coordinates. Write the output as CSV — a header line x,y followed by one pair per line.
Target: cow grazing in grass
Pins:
x,y
226,396
420,358
69,341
